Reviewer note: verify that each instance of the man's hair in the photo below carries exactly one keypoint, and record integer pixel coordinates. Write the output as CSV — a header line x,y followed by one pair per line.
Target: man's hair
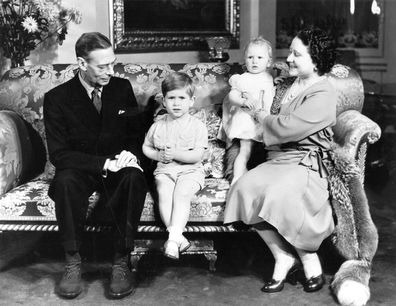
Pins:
x,y
89,42
260,41
321,48
177,80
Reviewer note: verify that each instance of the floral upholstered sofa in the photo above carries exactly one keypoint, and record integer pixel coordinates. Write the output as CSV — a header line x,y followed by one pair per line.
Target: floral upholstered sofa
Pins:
x,y
25,172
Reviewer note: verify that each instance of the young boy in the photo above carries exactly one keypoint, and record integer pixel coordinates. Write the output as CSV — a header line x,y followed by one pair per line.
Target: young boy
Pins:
x,y
177,141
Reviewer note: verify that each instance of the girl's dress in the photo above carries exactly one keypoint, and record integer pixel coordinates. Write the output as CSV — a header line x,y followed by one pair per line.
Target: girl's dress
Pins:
x,y
238,122
290,190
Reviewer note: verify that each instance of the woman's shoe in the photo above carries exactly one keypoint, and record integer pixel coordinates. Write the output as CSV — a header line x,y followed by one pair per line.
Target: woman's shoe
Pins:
x,y
277,285
273,286
171,249
314,283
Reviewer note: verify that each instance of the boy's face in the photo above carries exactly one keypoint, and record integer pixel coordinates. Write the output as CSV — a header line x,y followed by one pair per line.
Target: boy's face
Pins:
x,y
177,102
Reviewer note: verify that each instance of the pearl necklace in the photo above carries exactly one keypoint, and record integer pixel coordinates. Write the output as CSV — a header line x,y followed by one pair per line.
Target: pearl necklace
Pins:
x,y
298,87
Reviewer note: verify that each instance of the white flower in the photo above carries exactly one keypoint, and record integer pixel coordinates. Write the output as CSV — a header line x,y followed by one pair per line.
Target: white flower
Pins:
x,y
30,24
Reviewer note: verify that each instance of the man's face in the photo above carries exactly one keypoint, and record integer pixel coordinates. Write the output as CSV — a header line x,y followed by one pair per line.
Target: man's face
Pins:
x,y
97,68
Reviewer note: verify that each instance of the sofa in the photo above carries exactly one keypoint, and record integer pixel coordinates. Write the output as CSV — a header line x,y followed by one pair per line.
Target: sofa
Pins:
x,y
25,172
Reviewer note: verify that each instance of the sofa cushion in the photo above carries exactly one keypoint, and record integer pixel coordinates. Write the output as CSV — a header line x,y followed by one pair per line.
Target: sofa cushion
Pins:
x,y
30,202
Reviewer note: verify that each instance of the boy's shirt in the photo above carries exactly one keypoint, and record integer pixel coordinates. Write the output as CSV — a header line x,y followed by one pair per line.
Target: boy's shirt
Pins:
x,y
186,133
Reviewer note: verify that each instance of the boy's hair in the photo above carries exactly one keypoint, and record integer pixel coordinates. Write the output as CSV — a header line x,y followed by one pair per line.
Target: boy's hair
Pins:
x,y
89,42
177,80
260,41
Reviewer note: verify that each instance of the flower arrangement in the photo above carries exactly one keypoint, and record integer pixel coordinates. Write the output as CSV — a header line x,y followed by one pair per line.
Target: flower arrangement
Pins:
x,y
26,24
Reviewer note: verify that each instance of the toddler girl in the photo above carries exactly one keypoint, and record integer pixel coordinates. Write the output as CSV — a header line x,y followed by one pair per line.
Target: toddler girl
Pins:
x,y
250,91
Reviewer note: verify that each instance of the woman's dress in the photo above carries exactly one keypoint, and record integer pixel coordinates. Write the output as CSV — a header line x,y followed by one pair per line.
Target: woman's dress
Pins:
x,y
290,190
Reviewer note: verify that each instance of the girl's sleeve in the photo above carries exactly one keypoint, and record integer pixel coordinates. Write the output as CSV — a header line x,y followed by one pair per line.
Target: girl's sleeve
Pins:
x,y
234,82
316,112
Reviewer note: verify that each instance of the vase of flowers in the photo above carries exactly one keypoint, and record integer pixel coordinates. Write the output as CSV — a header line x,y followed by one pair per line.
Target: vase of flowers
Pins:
x,y
26,24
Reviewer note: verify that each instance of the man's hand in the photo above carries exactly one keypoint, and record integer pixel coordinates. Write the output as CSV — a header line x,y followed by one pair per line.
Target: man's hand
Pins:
x,y
125,158
112,166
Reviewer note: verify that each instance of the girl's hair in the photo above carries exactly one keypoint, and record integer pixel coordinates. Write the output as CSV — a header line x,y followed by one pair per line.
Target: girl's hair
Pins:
x,y
89,42
321,48
177,80
260,41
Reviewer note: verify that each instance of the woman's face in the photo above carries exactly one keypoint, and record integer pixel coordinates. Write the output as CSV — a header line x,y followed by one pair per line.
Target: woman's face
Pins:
x,y
299,60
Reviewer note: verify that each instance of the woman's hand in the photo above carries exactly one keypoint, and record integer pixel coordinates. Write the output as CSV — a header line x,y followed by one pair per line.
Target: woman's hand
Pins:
x,y
260,114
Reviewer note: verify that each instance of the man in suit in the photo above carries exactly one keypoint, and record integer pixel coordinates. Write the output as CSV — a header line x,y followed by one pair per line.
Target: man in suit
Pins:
x,y
95,144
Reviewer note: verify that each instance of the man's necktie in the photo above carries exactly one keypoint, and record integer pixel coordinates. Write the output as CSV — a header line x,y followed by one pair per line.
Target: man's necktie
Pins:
x,y
96,100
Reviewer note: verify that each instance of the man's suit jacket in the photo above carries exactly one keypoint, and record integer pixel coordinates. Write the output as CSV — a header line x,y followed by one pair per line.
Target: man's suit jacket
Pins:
x,y
80,138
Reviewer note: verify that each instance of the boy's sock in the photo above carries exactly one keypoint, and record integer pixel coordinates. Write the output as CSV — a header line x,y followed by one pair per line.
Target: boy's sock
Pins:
x,y
175,234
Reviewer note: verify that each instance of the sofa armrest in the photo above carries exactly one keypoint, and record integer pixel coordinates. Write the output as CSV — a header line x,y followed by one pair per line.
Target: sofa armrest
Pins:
x,y
15,150
353,131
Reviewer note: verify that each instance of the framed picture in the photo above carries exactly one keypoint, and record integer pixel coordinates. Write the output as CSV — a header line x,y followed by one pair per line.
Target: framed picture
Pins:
x,y
173,25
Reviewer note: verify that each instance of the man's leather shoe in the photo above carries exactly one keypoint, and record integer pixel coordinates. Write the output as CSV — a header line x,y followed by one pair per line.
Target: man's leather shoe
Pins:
x,y
314,283
121,281
71,285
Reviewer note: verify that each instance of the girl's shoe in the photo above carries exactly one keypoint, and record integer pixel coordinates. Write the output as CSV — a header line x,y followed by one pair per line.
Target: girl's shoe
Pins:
x,y
171,249
184,244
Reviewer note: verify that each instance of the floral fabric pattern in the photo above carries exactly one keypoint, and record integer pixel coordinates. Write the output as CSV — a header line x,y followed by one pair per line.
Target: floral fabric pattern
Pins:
x,y
30,202
22,91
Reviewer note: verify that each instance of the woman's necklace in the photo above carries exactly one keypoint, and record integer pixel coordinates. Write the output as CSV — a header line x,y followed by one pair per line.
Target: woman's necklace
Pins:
x,y
298,87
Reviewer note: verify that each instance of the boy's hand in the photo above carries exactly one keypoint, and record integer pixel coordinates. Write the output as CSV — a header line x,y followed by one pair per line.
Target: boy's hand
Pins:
x,y
169,153
164,156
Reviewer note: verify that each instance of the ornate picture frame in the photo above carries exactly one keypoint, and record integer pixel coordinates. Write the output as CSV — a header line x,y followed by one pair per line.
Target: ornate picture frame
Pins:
x,y
172,25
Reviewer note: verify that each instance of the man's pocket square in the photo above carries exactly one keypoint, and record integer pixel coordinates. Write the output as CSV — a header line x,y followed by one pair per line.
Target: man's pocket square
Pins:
x,y
121,111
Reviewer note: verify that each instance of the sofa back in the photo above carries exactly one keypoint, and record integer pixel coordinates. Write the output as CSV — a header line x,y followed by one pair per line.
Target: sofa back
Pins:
x,y
22,91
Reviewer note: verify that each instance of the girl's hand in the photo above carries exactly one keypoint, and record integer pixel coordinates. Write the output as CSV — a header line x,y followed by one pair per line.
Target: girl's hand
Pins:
x,y
249,101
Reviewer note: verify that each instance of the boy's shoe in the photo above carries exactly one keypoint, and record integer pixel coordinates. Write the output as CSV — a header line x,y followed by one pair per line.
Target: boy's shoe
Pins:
x,y
184,244
171,249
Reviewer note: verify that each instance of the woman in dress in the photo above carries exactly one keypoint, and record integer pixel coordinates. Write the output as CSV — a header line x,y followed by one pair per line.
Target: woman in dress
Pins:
x,y
286,199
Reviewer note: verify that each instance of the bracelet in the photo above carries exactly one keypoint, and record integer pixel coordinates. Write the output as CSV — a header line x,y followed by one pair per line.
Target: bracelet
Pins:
x,y
256,112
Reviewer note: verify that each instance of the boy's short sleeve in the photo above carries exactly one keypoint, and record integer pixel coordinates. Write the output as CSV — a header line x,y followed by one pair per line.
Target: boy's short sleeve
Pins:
x,y
149,139
201,138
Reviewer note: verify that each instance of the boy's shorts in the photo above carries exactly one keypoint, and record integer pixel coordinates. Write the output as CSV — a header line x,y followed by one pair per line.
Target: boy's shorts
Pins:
x,y
196,175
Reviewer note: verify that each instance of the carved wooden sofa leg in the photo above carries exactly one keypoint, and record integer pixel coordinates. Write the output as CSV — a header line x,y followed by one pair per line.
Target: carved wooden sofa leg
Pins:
x,y
198,247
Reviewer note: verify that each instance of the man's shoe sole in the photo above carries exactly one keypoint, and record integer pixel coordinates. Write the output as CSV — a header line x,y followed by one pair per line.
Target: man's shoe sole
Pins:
x,y
120,295
68,295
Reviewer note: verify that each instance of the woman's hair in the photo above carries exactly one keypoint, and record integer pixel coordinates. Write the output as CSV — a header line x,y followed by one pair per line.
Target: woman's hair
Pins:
x,y
260,41
177,80
89,42
321,48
